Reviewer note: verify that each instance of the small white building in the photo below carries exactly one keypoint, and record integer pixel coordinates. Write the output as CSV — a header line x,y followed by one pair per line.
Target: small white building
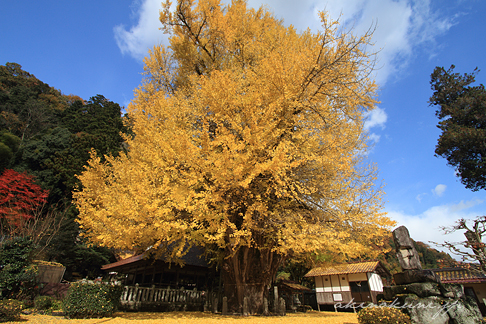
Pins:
x,y
352,282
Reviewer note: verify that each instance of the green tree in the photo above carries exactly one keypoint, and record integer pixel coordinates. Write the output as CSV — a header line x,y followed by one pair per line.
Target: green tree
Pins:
x,y
56,157
9,147
27,105
462,114
97,124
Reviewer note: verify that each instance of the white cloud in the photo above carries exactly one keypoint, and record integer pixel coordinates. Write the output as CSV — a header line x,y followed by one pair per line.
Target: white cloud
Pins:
x,y
439,190
375,118
401,26
140,38
425,227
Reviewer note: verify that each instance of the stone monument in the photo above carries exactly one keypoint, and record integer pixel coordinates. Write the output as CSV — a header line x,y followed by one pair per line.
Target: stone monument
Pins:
x,y
420,293
409,260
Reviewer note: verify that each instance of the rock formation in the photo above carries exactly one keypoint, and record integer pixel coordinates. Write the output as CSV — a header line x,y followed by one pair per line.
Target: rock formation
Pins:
x,y
421,295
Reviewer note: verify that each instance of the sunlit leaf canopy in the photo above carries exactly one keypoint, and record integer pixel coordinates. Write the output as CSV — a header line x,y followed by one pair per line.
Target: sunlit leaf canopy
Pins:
x,y
247,133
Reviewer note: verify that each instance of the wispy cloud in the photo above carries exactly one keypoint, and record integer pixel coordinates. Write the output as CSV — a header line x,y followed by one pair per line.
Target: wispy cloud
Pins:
x,y
401,26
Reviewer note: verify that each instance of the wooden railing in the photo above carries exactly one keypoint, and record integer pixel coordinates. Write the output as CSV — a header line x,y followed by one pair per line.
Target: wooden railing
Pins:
x,y
135,297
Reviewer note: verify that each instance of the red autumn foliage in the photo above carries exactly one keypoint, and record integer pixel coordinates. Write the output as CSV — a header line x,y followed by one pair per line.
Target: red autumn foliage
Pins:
x,y
20,198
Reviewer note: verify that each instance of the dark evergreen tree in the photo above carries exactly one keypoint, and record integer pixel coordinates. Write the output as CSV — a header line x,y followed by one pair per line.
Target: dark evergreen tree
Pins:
x,y
462,114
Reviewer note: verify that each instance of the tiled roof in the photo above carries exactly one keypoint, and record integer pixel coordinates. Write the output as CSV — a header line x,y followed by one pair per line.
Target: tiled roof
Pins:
x,y
192,257
123,262
294,286
361,267
460,275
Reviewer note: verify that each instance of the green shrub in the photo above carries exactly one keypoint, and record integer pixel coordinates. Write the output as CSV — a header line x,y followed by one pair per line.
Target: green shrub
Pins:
x,y
10,310
56,305
382,315
86,300
43,303
18,278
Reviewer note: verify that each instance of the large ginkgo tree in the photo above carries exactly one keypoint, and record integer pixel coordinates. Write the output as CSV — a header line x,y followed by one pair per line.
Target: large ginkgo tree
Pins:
x,y
248,141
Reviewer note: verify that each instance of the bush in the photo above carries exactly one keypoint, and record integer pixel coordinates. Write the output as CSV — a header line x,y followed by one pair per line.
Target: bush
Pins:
x,y
43,303
10,310
382,315
18,278
85,300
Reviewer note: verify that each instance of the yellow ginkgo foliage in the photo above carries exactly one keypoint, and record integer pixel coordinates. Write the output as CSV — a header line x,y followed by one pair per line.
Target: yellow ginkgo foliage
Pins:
x,y
248,142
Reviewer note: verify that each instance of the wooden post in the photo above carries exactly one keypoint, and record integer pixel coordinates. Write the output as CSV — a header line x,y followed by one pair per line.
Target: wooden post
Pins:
x,y
134,281
151,294
206,301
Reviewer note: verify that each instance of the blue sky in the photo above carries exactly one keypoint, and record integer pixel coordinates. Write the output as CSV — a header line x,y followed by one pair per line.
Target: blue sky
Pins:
x,y
96,47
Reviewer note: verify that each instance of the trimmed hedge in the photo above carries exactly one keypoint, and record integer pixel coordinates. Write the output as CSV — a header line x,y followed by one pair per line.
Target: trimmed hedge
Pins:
x,y
10,310
43,303
18,278
87,300
382,315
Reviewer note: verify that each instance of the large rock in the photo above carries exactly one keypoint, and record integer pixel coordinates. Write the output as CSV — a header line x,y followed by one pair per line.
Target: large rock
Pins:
x,y
434,309
420,289
465,311
406,253
411,276
424,310
452,290
420,294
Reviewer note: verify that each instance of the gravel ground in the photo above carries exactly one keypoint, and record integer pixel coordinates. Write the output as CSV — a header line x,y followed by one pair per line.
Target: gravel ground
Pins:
x,y
199,318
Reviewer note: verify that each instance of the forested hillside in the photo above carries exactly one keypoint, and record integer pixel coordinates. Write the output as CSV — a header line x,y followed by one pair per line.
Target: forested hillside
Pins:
x,y
49,135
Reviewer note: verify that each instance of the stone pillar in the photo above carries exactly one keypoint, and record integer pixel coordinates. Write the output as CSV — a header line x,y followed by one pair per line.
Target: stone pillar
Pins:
x,y
265,307
225,306
206,302
281,307
275,303
246,307
406,253
215,304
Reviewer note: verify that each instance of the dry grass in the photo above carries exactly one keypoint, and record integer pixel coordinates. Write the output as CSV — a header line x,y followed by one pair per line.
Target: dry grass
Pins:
x,y
199,318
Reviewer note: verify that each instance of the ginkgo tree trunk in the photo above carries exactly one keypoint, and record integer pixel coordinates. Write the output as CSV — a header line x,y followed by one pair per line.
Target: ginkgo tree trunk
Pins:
x,y
248,142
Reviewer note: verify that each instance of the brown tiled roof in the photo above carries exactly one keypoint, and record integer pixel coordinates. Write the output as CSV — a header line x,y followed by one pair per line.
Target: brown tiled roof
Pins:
x,y
294,286
460,275
360,267
192,257
123,262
